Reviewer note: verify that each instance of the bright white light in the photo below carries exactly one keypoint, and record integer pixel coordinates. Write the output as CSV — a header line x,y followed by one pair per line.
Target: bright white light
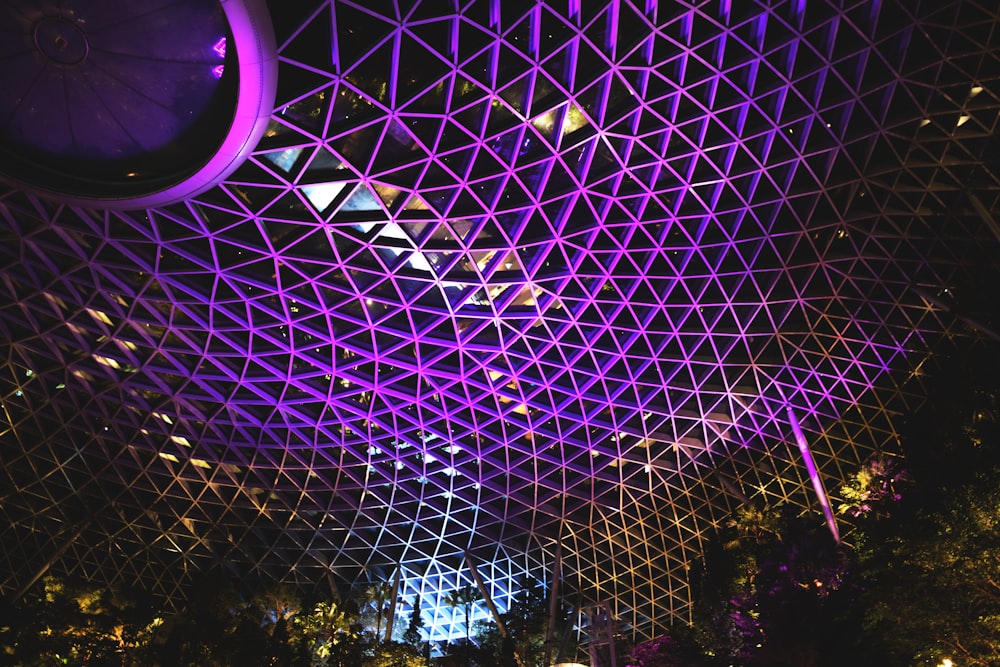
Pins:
x,y
392,230
321,194
419,262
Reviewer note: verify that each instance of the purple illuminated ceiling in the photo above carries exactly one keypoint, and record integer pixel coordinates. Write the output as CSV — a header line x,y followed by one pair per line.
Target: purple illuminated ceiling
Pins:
x,y
498,275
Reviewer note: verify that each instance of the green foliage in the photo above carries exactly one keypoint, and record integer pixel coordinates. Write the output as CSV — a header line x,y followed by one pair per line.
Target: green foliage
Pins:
x,y
754,525
874,490
220,626
394,654
66,623
958,429
378,598
77,623
527,622
323,635
933,582
930,571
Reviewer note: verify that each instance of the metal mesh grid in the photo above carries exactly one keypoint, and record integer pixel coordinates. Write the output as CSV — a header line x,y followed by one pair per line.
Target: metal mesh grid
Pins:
x,y
501,274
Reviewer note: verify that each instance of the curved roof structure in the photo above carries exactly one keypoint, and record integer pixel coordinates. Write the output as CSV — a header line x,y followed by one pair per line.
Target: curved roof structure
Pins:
x,y
498,276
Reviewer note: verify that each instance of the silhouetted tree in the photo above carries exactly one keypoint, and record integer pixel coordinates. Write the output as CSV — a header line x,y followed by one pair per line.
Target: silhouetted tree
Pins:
x,y
412,634
932,581
763,593
666,651
464,598
72,622
379,596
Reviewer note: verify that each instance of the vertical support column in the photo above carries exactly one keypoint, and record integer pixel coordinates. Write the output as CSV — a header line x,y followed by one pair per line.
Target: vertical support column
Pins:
x,y
601,635
488,599
611,39
651,7
817,481
574,10
535,32
550,635
392,604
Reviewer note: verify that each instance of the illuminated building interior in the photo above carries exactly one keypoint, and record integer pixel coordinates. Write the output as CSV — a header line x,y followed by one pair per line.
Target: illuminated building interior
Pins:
x,y
477,279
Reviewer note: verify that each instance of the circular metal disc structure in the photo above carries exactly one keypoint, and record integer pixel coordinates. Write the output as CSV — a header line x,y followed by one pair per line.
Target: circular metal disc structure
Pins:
x,y
132,104
499,276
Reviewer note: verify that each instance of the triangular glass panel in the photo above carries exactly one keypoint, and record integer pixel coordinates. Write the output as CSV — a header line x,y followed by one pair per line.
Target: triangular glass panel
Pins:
x,y
362,199
349,111
507,145
280,135
575,119
549,124
367,30
420,69
308,113
284,159
415,203
312,43
482,65
419,261
254,196
324,159
321,195
514,94
391,230
388,194
288,207
414,230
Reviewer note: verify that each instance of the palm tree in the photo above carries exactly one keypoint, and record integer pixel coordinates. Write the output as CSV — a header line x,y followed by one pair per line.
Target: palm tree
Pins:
x,y
322,629
754,525
464,597
379,595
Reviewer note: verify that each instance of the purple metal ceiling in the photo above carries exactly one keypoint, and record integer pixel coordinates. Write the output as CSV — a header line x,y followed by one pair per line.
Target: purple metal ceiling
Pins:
x,y
498,274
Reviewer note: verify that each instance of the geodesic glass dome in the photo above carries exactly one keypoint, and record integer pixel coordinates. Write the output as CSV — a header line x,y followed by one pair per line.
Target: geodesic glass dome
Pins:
x,y
491,277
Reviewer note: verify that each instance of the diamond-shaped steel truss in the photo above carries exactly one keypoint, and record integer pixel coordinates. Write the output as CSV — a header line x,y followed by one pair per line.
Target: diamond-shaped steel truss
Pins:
x,y
498,275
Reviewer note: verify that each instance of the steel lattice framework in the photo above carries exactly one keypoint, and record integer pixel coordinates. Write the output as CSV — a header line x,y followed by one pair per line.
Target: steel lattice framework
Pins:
x,y
500,274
